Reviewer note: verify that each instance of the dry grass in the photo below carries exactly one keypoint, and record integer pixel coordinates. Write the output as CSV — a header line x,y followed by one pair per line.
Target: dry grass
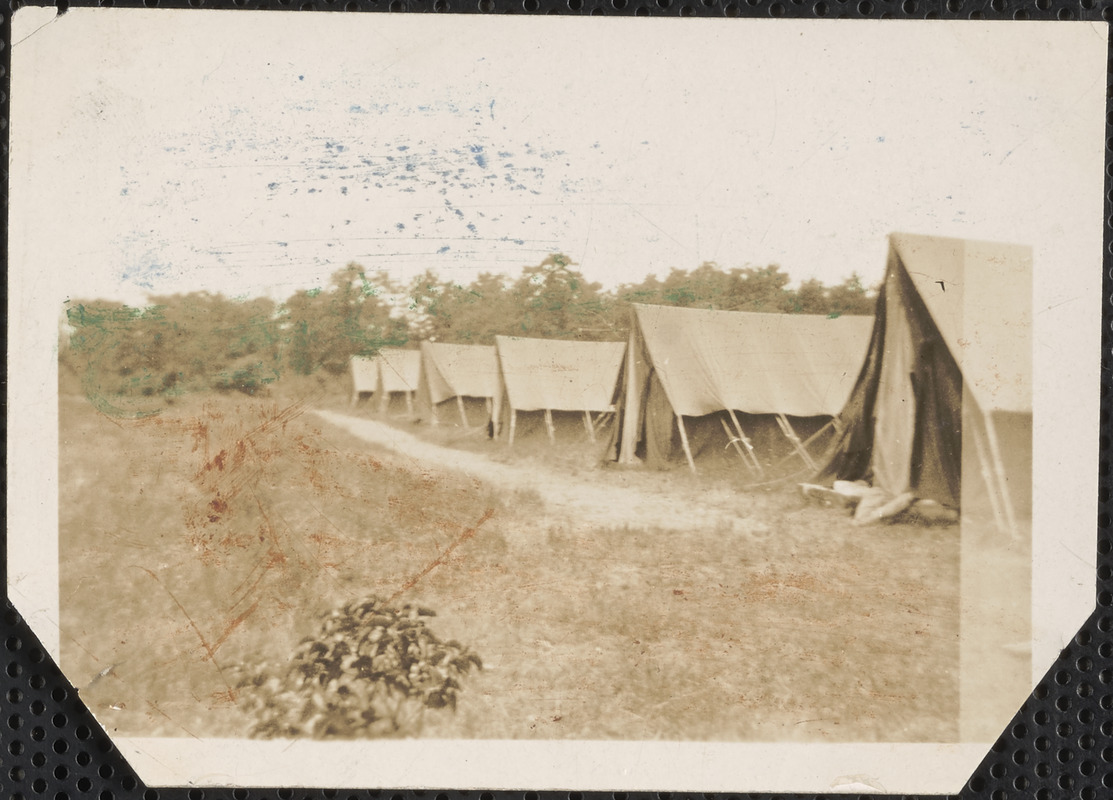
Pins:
x,y
211,536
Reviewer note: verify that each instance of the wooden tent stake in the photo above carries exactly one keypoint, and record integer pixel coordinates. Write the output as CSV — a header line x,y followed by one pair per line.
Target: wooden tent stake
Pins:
x,y
987,475
463,413
588,425
513,425
1002,478
746,441
684,442
787,429
549,425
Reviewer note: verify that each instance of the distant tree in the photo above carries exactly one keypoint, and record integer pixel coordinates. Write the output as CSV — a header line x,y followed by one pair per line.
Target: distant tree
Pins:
x,y
810,298
211,341
118,351
851,297
759,289
556,302
324,329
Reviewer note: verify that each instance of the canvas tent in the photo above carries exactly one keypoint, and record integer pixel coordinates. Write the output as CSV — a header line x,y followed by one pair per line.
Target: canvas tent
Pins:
x,y
543,376
365,376
943,405
391,375
752,385
457,379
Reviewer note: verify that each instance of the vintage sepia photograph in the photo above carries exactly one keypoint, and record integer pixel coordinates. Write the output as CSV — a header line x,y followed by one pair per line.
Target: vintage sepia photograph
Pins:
x,y
553,403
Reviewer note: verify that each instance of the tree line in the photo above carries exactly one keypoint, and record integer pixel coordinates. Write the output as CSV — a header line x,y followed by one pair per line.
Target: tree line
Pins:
x,y
205,341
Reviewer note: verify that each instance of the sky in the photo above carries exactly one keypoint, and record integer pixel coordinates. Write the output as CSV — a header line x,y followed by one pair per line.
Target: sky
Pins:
x,y
158,151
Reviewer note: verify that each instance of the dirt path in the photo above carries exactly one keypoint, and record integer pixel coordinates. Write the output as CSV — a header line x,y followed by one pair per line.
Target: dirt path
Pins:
x,y
602,497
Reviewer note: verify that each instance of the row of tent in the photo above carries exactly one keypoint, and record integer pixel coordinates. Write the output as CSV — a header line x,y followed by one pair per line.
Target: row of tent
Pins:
x,y
932,395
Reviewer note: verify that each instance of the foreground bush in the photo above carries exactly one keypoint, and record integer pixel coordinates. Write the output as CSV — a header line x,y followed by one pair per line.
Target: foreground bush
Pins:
x,y
370,670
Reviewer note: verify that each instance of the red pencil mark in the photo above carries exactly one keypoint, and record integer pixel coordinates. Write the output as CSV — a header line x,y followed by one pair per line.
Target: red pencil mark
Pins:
x,y
204,642
440,559
231,626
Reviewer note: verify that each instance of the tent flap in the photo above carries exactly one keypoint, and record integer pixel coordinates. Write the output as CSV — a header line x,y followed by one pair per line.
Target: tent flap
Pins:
x,y
560,375
796,364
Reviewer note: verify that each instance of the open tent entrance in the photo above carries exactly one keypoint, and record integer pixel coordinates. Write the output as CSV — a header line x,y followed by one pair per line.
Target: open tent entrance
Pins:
x,y
942,408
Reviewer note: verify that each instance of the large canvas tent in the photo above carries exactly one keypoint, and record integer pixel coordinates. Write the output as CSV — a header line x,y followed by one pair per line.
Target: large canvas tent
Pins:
x,y
389,376
697,382
461,375
551,376
942,408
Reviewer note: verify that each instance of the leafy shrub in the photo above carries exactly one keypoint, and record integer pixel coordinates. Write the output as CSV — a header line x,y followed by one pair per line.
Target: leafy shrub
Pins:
x,y
370,670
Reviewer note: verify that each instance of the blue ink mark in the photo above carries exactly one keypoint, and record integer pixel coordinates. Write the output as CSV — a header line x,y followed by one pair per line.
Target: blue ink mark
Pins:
x,y
459,213
312,191
343,190
881,138
301,77
272,185
124,191
492,109
480,158
356,110
471,227
400,226
282,244
444,249
403,147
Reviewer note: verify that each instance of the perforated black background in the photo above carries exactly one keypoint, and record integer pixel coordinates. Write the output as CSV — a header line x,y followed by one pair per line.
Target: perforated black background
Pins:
x,y
1059,744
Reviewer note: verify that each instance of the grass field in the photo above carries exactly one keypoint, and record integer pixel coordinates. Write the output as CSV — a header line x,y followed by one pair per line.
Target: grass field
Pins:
x,y
207,540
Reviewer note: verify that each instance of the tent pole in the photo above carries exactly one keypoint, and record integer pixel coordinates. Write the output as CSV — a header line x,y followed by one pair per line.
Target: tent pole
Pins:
x,y
463,414
588,425
786,428
549,425
746,441
410,404
513,425
734,441
987,475
809,440
1002,480
684,441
